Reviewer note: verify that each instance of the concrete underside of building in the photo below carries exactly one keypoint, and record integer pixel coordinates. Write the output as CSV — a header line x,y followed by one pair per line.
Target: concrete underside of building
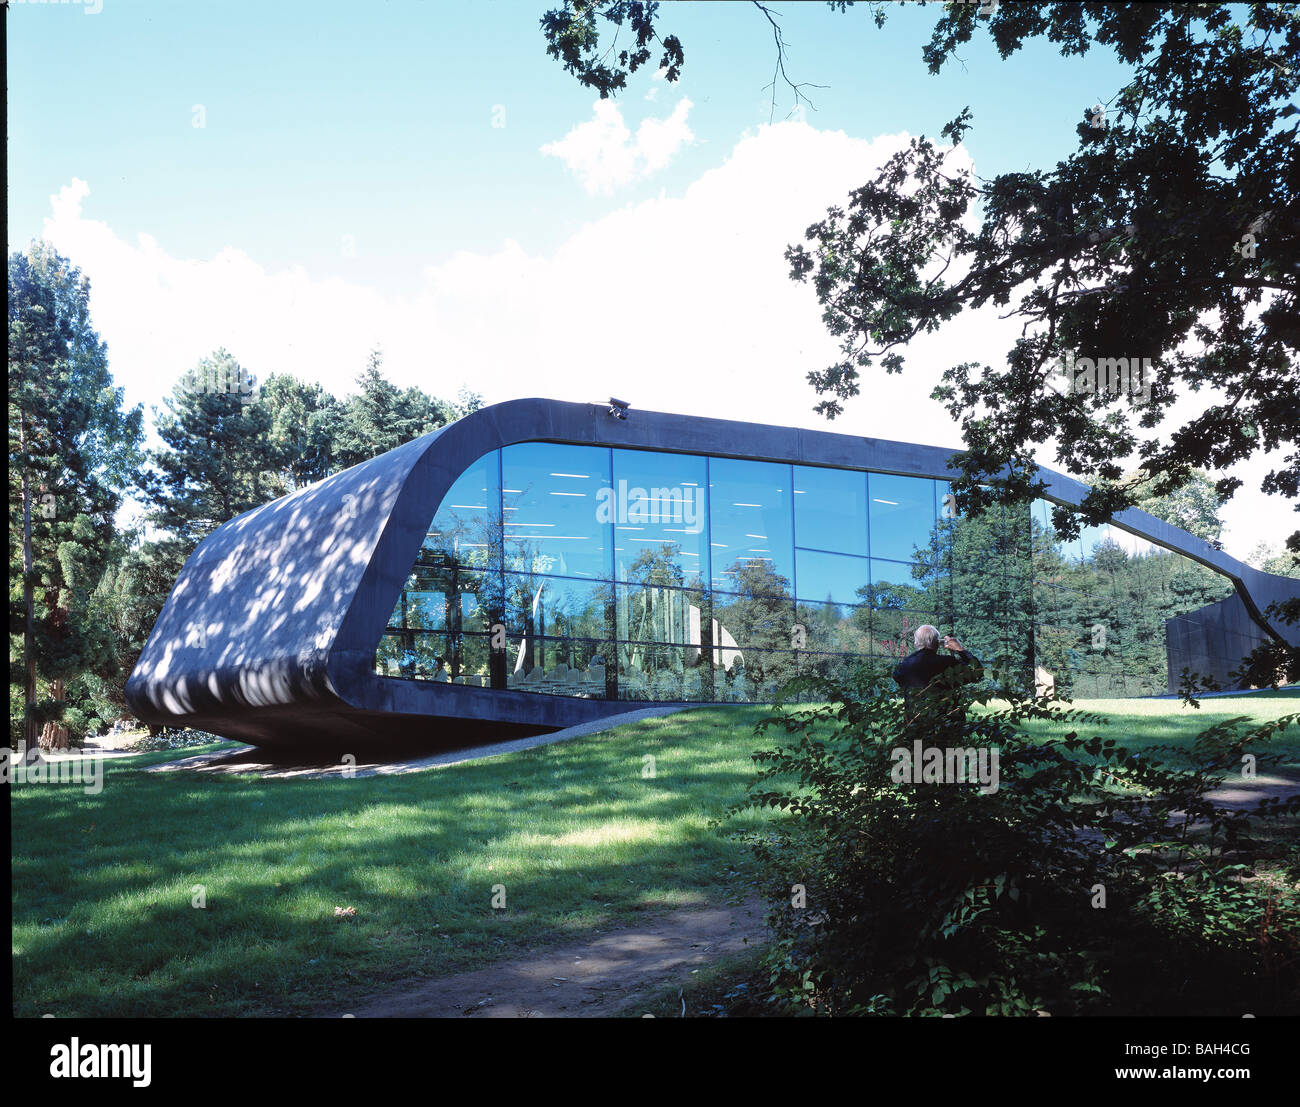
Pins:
x,y
271,632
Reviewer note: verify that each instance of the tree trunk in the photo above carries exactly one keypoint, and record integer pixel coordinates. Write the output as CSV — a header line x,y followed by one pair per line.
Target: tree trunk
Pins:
x,y
54,736
29,598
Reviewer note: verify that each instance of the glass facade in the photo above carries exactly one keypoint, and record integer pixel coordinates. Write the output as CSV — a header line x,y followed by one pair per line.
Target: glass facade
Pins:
x,y
641,575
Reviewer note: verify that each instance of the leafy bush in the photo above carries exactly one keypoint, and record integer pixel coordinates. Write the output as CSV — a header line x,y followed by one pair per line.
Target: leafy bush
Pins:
x,y
1090,881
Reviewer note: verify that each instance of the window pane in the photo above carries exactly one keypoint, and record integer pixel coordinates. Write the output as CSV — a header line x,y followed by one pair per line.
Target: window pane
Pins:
x,y
560,667
945,500
755,676
991,568
998,644
835,578
471,660
830,507
829,627
1090,537
466,529
902,515
751,540
547,606
650,671
439,657
550,506
447,597
753,622
658,510
895,585
833,666
653,614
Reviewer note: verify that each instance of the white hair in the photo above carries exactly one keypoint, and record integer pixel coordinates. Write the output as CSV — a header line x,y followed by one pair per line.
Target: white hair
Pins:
x,y
926,637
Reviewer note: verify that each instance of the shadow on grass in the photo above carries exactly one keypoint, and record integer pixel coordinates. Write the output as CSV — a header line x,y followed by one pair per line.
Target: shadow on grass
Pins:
x,y
577,837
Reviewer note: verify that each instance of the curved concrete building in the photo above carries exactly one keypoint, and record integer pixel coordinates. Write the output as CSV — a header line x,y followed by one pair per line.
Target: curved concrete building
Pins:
x,y
538,564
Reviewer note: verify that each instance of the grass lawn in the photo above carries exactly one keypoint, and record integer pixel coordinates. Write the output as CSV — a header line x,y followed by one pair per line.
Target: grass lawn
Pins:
x,y
1141,725
102,884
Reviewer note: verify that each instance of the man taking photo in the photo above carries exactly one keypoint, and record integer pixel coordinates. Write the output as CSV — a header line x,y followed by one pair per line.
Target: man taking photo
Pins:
x,y
915,672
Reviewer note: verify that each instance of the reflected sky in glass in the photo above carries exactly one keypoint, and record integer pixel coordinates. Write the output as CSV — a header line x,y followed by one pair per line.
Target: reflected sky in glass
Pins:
x,y
466,526
750,517
835,577
659,501
830,508
902,515
549,509
541,603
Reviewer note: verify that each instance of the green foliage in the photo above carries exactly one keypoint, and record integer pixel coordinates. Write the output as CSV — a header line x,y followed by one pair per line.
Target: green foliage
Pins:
x,y
1169,234
228,445
758,614
1193,507
380,417
573,36
219,455
1206,124
1131,597
73,450
467,402
304,421
129,597
1268,559
945,898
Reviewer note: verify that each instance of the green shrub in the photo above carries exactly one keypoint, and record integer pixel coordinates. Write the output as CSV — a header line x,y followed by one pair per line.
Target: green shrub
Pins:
x,y
1090,881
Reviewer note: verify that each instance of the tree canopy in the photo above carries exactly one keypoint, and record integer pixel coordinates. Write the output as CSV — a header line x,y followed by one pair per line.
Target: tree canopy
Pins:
x,y
85,587
73,450
1165,245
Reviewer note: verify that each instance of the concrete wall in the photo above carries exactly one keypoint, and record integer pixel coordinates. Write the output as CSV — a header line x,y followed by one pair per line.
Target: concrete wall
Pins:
x,y
1211,641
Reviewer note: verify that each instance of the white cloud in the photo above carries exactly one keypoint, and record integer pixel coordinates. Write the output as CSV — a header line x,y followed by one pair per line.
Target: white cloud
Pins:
x,y
679,303
160,314
658,81
603,154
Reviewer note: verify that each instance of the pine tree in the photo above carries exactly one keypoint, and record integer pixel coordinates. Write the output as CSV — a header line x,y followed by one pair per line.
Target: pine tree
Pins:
x,y
220,460
304,422
72,450
381,417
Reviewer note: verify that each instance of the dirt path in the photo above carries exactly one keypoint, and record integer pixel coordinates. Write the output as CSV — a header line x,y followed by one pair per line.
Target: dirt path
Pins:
x,y
596,977
1242,795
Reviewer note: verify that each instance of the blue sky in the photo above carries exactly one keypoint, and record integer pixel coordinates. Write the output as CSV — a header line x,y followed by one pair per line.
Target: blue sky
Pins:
x,y
348,187
325,119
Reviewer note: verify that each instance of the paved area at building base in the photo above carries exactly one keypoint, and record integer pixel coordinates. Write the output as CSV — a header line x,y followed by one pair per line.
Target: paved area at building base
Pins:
x,y
284,763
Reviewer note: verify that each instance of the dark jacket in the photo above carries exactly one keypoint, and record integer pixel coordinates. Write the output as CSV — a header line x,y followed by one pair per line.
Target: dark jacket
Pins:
x,y
917,669
915,672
